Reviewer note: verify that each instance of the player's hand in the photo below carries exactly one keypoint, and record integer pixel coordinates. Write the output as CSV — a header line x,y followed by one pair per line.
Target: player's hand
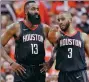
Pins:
x,y
46,67
18,69
53,35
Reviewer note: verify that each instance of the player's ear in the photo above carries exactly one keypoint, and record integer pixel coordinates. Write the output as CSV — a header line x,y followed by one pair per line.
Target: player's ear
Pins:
x,y
25,11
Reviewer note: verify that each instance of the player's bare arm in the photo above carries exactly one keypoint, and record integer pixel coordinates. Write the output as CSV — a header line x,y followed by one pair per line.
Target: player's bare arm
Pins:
x,y
48,65
53,31
12,30
52,37
6,36
86,40
46,29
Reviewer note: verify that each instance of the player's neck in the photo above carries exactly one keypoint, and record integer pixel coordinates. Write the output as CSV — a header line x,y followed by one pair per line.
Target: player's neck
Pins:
x,y
71,30
30,24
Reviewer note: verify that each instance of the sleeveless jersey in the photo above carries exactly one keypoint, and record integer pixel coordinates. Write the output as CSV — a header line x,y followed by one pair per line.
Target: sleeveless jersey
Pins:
x,y
70,54
29,47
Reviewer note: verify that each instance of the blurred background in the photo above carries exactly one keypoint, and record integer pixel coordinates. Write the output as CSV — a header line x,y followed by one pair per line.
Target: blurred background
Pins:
x,y
12,11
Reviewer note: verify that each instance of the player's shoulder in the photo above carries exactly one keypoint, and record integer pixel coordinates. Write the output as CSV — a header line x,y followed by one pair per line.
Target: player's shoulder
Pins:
x,y
45,26
13,26
46,29
84,36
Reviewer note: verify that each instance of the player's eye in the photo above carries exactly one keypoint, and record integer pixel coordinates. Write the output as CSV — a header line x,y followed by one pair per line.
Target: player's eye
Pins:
x,y
62,19
58,19
37,9
33,8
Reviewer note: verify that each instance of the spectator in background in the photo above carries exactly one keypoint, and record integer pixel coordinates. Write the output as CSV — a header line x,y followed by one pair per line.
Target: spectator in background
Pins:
x,y
52,17
4,21
57,7
80,7
76,18
6,69
86,3
9,78
2,79
43,13
18,7
84,26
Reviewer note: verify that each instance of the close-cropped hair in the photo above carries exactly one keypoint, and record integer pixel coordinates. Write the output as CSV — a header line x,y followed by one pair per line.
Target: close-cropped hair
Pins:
x,y
26,4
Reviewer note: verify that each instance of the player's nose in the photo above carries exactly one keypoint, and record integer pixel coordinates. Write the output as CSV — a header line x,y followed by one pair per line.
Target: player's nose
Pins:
x,y
61,22
37,11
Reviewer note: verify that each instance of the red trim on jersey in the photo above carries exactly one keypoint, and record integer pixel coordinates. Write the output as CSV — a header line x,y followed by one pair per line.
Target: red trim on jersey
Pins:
x,y
29,25
78,29
70,35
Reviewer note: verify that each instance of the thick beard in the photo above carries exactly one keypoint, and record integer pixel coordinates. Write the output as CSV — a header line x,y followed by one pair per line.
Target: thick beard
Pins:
x,y
34,18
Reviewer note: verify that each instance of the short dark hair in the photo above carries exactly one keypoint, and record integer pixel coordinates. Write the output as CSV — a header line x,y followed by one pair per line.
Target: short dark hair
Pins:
x,y
85,14
27,4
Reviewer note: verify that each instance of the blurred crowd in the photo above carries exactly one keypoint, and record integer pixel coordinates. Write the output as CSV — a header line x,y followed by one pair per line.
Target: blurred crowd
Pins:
x,y
12,11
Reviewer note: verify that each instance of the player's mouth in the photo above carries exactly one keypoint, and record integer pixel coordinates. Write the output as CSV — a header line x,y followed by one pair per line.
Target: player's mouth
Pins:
x,y
62,26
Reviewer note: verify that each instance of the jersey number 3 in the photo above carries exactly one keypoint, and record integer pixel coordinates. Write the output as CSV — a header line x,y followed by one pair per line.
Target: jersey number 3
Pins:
x,y
70,52
34,48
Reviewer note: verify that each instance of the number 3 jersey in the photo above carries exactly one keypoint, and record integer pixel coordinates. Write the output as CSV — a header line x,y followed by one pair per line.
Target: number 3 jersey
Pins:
x,y
70,54
29,47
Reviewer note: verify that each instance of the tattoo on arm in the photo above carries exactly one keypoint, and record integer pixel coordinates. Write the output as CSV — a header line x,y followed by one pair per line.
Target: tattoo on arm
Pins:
x,y
5,37
5,55
53,57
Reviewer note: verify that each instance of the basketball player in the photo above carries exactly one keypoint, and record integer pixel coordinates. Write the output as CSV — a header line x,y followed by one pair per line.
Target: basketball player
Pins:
x,y
29,37
70,52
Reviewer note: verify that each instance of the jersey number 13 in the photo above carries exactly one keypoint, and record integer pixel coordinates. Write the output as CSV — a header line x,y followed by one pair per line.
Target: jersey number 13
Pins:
x,y
34,48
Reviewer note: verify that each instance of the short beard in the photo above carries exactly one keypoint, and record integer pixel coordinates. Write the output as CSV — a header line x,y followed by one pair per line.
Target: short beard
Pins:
x,y
67,26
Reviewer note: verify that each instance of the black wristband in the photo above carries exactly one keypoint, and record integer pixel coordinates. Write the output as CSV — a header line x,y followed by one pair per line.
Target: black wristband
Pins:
x,y
11,63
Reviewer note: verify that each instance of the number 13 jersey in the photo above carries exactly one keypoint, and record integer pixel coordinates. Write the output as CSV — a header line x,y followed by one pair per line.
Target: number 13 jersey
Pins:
x,y
29,47
70,54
